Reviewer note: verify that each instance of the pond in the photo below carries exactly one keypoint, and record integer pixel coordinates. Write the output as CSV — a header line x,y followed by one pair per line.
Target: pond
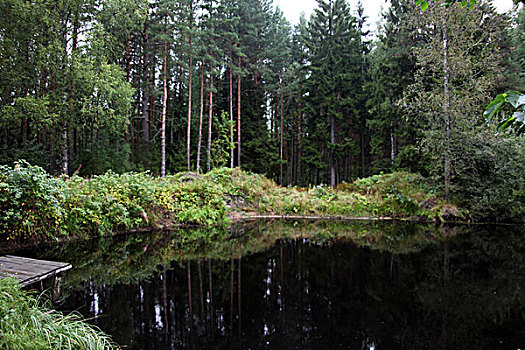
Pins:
x,y
303,285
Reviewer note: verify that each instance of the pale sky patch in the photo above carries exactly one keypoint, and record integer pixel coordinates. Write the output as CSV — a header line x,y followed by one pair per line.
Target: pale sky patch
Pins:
x,y
293,8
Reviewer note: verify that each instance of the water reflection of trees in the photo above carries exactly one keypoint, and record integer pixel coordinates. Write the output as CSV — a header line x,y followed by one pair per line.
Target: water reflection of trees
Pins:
x,y
304,285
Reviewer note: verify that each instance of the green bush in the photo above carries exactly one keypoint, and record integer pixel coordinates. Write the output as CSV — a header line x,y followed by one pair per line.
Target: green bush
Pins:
x,y
30,202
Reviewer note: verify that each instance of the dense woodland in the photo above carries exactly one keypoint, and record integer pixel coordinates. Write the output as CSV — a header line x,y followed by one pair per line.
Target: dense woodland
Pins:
x,y
174,85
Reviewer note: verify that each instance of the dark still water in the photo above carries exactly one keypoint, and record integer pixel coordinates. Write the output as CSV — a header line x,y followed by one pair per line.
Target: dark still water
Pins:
x,y
274,285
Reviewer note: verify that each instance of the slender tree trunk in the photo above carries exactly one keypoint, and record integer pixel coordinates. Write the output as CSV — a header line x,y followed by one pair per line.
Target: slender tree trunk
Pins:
x,y
239,116
332,142
300,141
210,120
68,136
52,127
362,141
282,132
146,88
188,134
64,160
232,150
199,142
151,119
446,106
164,102
392,145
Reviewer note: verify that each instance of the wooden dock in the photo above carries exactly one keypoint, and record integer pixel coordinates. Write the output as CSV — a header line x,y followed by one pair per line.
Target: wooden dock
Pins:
x,y
31,271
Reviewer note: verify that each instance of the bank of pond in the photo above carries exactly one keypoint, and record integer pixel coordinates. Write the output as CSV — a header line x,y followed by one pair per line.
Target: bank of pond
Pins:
x,y
38,207
299,284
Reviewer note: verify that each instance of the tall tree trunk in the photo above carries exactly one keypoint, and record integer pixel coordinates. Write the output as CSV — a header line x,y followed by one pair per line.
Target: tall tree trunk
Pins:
x,y
332,143
446,106
392,145
199,142
232,151
239,116
210,120
151,120
282,132
164,102
188,133
146,88
52,127
362,141
64,153
70,128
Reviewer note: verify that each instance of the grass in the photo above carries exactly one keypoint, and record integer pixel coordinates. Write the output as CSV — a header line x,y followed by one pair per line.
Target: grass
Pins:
x,y
26,324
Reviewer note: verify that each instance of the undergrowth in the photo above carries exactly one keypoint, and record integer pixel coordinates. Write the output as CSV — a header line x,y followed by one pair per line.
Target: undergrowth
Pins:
x,y
26,323
38,206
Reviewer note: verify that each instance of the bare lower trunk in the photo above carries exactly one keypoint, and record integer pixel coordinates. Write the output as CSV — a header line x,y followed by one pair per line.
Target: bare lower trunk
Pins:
x,y
199,142
64,153
392,145
332,142
362,142
188,134
164,105
232,151
239,116
189,118
282,131
210,120
446,108
145,92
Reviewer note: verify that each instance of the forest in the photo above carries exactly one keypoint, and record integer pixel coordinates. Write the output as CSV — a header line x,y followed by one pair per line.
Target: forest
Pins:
x,y
322,182
166,86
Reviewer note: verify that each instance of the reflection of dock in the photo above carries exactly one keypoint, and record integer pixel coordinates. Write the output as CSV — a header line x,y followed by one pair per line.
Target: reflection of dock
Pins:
x,y
29,271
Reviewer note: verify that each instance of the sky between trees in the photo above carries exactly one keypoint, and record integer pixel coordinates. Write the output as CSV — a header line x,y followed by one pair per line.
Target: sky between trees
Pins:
x,y
293,8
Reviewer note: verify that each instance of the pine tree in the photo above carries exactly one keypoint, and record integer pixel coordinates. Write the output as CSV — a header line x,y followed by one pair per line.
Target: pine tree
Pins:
x,y
335,80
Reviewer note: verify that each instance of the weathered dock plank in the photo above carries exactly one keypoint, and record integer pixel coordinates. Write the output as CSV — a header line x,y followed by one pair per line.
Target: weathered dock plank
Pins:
x,y
29,271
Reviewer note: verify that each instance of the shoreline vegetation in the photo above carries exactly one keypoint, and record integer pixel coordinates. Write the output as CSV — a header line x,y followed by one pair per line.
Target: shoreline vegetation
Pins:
x,y
38,207
27,322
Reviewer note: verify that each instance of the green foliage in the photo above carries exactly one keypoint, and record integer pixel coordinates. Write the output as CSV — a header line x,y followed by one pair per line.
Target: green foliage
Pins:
x,y
40,207
462,3
222,145
516,121
27,323
30,202
491,177
110,202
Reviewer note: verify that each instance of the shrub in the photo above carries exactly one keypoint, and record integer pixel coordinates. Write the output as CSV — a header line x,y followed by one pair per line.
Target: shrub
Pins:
x,y
30,202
